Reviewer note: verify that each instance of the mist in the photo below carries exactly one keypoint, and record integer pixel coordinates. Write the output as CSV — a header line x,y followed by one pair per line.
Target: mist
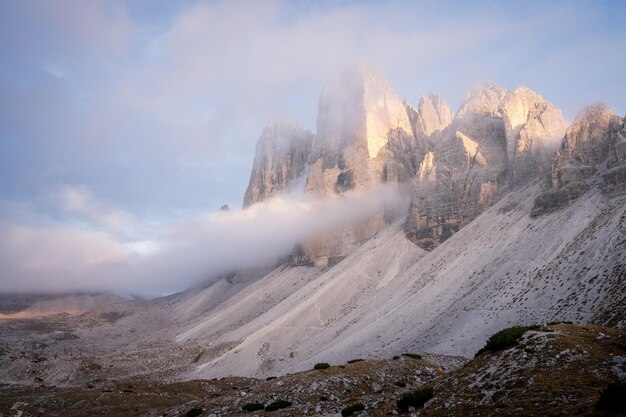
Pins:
x,y
196,251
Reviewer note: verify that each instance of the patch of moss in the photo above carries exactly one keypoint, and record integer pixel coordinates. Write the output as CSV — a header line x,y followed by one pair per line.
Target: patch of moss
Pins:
x,y
351,409
253,407
278,405
321,365
505,339
415,398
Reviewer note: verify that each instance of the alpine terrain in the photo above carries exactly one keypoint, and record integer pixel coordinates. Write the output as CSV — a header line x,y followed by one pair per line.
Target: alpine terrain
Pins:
x,y
513,217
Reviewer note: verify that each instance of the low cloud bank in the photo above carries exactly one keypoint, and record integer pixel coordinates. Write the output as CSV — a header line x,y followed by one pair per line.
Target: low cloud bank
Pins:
x,y
59,258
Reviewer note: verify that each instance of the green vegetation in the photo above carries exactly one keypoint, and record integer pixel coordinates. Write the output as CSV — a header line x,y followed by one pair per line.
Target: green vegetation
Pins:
x,y
269,378
355,360
505,339
194,412
321,365
612,398
412,355
400,384
351,409
253,407
415,398
278,405
554,323
395,358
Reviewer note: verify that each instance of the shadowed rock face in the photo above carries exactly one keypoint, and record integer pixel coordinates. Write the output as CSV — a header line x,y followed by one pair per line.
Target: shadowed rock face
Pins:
x,y
499,139
281,157
592,152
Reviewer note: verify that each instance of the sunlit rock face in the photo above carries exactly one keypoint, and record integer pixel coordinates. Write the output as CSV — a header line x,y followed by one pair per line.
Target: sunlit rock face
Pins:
x,y
280,160
456,167
364,138
432,115
534,129
592,152
498,139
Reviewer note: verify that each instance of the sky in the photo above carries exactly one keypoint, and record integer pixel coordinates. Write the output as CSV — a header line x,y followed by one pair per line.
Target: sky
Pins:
x,y
122,121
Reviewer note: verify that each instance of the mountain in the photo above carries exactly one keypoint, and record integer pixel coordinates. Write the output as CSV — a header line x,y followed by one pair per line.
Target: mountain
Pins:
x,y
515,218
281,156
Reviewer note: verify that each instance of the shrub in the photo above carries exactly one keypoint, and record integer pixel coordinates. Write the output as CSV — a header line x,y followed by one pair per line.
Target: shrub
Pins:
x,y
351,409
400,384
321,365
415,398
505,339
412,355
194,412
395,358
253,407
554,323
278,405
269,378
355,360
612,398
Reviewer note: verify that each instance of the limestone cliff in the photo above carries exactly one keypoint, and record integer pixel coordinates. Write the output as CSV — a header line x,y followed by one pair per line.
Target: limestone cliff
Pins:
x,y
282,153
592,152
498,139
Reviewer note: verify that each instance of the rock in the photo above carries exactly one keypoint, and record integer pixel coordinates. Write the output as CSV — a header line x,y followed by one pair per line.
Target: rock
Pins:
x,y
281,156
499,139
592,151
376,387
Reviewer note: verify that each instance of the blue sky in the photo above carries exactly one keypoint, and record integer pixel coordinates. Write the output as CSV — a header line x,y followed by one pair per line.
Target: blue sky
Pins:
x,y
149,110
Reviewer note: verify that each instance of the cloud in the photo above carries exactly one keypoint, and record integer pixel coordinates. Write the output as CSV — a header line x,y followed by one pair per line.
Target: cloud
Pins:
x,y
72,258
80,200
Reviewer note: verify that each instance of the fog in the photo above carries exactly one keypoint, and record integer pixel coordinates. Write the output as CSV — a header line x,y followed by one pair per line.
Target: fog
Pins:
x,y
62,258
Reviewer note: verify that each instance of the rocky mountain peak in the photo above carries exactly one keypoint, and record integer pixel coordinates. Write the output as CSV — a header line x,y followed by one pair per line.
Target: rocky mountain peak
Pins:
x,y
593,151
483,98
281,156
433,114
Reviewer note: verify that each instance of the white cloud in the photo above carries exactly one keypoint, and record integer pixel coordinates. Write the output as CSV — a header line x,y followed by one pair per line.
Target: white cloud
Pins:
x,y
72,258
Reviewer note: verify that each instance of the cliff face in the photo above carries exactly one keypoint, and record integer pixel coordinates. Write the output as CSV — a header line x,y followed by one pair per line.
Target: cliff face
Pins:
x,y
592,152
499,139
281,157
366,136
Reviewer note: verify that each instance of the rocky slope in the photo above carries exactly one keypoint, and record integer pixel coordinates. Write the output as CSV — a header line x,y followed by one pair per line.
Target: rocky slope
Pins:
x,y
557,370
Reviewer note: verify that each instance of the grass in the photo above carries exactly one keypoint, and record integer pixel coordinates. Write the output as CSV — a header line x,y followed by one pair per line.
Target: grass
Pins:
x,y
351,409
321,365
412,355
278,405
415,398
253,407
504,339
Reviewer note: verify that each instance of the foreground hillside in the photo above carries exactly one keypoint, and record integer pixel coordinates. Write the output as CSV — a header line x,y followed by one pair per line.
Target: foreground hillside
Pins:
x,y
554,370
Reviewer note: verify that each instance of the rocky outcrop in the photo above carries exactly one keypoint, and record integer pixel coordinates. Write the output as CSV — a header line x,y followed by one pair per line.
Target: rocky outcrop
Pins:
x,y
592,152
432,115
367,136
534,129
364,138
281,157
499,139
